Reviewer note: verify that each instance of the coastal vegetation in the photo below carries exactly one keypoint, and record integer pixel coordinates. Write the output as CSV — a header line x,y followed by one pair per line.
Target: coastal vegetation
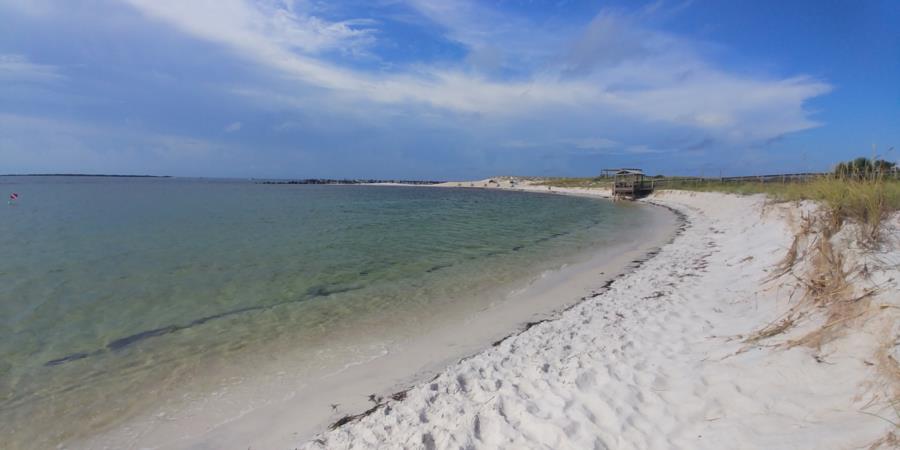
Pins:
x,y
584,182
830,266
832,260
864,191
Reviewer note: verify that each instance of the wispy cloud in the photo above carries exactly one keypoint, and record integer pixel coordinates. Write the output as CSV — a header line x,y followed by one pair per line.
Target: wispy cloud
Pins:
x,y
490,34
584,146
587,143
30,7
17,68
244,27
60,145
615,66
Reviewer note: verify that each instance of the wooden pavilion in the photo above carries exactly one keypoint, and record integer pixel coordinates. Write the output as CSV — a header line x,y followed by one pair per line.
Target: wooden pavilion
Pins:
x,y
629,183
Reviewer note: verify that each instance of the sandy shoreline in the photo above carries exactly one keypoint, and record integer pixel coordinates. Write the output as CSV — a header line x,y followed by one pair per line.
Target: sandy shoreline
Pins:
x,y
292,414
660,358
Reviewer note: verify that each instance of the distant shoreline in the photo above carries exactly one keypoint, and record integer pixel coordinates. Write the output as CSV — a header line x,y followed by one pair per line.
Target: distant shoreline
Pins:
x,y
347,181
81,175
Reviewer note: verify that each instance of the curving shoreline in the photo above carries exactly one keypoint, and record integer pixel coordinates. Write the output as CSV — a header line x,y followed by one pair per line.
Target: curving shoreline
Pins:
x,y
660,359
297,412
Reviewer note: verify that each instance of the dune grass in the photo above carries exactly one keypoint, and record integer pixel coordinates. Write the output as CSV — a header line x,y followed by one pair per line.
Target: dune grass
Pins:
x,y
864,198
867,201
832,282
827,276
597,182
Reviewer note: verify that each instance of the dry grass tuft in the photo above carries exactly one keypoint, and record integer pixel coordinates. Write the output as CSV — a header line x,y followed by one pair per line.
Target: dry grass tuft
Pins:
x,y
890,369
831,282
775,328
787,263
889,441
867,202
827,287
825,282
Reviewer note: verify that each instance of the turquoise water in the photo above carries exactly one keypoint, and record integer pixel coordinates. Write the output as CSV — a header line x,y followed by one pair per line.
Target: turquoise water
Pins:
x,y
117,292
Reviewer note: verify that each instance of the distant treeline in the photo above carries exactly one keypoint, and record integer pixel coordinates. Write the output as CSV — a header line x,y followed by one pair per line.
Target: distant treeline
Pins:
x,y
863,167
357,181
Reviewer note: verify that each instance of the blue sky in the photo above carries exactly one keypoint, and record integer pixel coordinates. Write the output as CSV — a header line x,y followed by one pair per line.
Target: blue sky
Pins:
x,y
445,89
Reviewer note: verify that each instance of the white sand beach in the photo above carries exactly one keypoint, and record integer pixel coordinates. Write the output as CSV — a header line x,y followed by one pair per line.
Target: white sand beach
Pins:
x,y
671,354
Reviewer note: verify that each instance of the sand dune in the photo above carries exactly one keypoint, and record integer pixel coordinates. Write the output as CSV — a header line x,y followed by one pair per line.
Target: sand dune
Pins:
x,y
659,359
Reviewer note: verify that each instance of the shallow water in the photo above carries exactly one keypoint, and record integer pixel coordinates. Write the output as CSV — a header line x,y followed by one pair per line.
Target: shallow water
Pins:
x,y
119,294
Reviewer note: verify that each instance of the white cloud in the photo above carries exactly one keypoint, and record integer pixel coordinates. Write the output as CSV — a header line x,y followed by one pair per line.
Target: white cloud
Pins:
x,y
232,127
657,76
245,27
266,25
615,67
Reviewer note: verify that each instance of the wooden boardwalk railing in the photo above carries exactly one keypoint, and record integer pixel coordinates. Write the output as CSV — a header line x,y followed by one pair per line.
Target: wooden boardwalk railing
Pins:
x,y
772,178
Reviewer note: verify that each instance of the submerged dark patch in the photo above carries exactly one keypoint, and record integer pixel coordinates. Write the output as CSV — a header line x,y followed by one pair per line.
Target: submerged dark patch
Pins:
x,y
328,289
438,267
121,343
127,341
65,359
